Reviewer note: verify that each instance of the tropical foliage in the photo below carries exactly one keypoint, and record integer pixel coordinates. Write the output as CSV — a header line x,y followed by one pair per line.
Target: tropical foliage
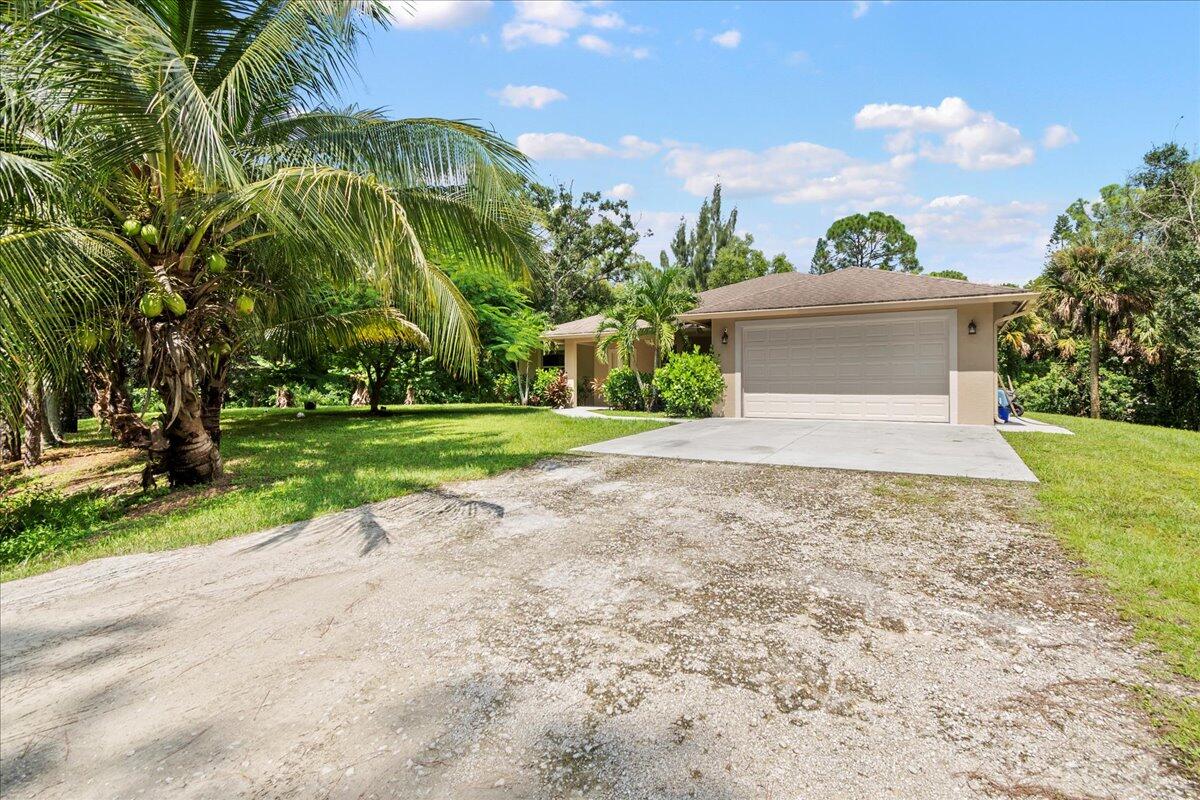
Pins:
x,y
648,311
1117,322
175,176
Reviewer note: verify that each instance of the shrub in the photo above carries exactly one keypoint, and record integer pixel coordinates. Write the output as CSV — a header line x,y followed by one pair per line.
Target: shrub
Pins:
x,y
557,393
550,388
620,389
690,384
37,519
505,388
1063,389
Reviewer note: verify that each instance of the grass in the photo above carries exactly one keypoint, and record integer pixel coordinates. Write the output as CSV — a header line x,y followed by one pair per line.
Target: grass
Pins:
x,y
1126,500
282,469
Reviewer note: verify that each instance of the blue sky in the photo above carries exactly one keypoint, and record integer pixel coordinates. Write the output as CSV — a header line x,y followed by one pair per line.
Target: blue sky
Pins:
x,y
974,123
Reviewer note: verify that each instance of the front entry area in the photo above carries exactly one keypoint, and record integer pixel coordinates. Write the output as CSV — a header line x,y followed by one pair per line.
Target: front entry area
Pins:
x,y
878,367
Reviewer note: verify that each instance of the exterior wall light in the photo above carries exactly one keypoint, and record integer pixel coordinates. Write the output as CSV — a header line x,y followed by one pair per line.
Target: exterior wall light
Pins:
x,y
971,327
725,336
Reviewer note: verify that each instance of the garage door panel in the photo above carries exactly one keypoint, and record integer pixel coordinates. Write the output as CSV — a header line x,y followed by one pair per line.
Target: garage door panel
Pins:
x,y
848,368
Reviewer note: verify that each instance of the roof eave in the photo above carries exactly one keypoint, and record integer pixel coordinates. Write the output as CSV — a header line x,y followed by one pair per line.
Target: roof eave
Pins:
x,y
975,298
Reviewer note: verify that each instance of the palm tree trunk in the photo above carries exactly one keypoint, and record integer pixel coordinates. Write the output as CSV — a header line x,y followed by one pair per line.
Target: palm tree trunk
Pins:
x,y
212,394
112,404
52,432
180,444
1094,369
31,419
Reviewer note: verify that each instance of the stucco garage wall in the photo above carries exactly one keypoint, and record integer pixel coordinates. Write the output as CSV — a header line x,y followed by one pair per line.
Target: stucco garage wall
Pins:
x,y
976,358
976,366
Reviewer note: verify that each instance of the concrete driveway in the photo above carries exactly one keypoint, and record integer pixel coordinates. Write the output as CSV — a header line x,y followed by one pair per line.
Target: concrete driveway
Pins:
x,y
921,448
595,627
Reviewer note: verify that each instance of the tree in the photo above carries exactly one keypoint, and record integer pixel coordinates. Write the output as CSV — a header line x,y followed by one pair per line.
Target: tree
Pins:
x,y
510,331
590,243
695,253
953,274
737,261
821,260
781,263
1166,210
652,302
1093,289
177,168
871,241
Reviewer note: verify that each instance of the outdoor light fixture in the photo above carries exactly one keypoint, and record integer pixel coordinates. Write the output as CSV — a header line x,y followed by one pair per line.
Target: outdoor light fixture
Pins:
x,y
725,336
971,327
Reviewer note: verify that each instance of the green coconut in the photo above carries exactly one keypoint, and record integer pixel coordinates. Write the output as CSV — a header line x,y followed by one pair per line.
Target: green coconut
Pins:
x,y
216,263
151,304
149,234
176,304
131,227
189,229
245,305
88,340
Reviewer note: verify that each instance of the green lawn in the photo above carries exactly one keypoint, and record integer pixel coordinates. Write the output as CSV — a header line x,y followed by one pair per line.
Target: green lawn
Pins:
x,y
1126,500
283,469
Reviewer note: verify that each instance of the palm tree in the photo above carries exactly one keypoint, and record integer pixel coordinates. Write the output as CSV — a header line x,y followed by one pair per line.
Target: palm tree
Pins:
x,y
649,310
1092,290
176,169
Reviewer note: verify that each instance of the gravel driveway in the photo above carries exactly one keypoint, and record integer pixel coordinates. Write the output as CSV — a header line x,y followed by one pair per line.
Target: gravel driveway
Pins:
x,y
596,626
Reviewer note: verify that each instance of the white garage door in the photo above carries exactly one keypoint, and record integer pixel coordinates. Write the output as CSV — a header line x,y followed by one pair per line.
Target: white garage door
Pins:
x,y
885,367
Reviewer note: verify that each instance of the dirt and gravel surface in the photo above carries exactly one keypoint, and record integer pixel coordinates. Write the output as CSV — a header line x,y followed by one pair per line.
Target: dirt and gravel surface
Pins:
x,y
595,627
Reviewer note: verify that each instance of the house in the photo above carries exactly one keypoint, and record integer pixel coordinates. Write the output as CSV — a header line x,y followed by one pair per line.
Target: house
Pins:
x,y
850,344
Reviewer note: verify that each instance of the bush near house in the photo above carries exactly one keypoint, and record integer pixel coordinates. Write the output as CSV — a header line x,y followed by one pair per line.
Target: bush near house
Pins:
x,y
690,384
1062,389
621,390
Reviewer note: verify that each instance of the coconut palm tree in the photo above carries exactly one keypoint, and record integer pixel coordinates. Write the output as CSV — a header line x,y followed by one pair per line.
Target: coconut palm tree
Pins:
x,y
176,169
649,310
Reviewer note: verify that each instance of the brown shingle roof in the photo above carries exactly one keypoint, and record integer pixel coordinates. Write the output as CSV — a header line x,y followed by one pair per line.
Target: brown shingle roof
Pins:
x,y
842,287
853,286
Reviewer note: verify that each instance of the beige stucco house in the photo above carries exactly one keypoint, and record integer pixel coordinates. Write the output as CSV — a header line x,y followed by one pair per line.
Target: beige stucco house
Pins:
x,y
850,344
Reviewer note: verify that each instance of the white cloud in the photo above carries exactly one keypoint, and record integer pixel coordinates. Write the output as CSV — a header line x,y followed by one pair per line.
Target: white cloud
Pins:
x,y
639,53
516,34
560,145
555,13
623,191
797,172
589,41
636,147
729,39
528,96
1057,136
610,21
550,22
565,145
973,140
439,13
951,113
967,220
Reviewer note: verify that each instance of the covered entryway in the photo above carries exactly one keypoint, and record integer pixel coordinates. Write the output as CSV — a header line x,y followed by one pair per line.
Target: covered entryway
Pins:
x,y
868,367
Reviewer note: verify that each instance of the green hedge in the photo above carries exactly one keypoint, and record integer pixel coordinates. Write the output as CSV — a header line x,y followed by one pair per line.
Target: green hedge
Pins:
x,y
690,384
